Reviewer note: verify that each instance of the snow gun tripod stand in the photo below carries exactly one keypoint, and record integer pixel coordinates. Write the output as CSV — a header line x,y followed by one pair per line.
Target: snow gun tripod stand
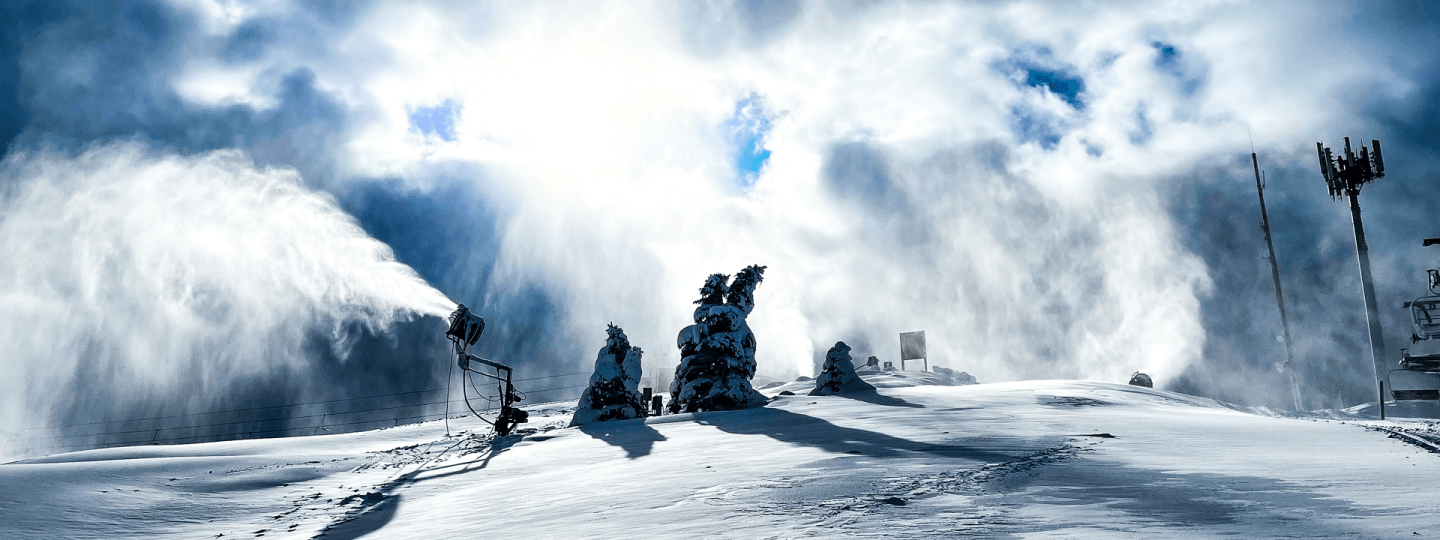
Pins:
x,y
465,330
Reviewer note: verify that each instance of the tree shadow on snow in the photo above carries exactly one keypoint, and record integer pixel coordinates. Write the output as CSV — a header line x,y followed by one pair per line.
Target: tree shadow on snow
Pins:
x,y
1262,507
379,506
379,514
493,448
799,429
634,436
876,398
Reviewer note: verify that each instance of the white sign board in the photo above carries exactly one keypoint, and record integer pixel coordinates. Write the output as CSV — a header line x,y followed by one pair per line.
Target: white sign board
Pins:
x,y
912,345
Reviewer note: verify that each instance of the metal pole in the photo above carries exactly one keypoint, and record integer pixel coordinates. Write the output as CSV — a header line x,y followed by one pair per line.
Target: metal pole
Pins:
x,y
1279,296
1372,310
1382,400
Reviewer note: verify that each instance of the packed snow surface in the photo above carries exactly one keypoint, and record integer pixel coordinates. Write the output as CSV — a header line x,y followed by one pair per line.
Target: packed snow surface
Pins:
x,y
1028,459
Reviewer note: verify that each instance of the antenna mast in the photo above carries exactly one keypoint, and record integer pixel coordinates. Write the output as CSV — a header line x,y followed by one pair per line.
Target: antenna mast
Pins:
x,y
1345,176
1279,296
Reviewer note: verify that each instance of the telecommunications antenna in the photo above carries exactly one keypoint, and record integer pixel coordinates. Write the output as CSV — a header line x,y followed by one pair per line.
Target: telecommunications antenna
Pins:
x,y
1344,176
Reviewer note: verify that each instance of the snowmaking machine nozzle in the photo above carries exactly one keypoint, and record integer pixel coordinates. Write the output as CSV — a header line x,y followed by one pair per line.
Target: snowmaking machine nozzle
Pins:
x,y
465,326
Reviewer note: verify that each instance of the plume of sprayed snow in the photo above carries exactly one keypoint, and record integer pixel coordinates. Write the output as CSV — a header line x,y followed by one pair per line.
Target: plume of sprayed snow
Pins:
x,y
173,277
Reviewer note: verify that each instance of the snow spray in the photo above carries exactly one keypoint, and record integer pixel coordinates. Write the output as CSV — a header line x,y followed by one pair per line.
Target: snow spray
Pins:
x,y
170,279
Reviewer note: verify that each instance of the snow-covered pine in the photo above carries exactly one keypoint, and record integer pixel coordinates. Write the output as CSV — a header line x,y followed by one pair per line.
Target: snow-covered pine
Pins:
x,y
613,393
838,375
718,351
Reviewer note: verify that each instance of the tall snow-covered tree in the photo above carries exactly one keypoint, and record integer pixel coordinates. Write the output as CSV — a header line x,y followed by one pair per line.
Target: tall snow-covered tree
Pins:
x,y
717,353
613,393
838,374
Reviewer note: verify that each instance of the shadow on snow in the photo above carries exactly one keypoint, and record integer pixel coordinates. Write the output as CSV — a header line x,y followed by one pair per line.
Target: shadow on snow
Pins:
x,y
799,429
634,436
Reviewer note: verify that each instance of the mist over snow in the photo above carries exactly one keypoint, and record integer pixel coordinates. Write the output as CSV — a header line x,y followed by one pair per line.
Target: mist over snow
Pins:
x,y
249,203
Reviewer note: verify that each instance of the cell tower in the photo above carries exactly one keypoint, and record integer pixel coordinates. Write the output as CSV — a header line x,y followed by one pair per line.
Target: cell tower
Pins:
x,y
1345,176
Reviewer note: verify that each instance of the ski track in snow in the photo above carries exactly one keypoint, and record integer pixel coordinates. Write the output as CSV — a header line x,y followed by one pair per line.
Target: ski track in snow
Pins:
x,y
1033,459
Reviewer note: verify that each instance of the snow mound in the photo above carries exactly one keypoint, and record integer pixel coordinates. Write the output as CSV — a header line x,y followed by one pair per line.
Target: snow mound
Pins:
x,y
901,379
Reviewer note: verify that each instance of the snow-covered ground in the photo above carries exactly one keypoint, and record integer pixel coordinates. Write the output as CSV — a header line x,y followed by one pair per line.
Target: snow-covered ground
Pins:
x,y
1027,459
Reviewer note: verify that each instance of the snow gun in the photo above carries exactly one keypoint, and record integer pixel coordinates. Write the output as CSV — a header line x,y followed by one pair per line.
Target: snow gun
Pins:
x,y
465,329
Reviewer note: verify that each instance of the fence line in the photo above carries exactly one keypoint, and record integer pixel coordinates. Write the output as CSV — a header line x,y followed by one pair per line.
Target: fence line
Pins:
x,y
154,431
228,411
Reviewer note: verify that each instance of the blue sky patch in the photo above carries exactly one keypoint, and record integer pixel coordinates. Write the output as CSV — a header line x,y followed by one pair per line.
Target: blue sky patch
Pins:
x,y
746,131
1167,57
438,120
1037,67
1058,82
1170,61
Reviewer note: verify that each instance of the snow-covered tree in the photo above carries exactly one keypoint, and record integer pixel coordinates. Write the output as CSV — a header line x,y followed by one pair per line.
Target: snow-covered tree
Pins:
x,y
838,375
717,353
613,393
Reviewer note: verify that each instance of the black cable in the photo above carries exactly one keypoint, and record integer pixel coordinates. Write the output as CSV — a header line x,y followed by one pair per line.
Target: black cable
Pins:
x,y
467,399
480,394
550,377
238,435
236,410
245,435
446,415
561,388
449,376
320,415
446,389
149,430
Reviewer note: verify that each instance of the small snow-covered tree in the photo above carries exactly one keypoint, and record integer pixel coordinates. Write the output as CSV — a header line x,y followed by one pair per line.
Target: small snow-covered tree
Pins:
x,y
838,375
613,393
717,353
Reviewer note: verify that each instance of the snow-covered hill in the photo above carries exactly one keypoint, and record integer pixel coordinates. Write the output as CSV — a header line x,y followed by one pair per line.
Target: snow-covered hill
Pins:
x,y
1032,459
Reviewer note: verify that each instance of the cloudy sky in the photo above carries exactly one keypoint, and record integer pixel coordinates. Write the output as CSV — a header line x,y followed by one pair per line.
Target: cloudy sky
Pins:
x,y
208,204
